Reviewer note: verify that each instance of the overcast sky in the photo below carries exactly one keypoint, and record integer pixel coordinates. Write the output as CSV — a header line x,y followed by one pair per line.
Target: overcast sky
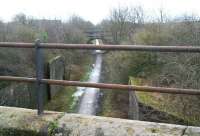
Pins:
x,y
92,10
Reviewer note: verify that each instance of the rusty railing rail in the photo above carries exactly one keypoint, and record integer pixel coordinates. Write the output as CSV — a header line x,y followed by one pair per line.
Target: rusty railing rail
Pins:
x,y
151,48
103,85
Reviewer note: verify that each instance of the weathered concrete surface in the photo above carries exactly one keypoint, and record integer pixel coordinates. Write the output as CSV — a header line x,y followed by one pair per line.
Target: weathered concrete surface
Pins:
x,y
19,121
56,71
103,126
192,131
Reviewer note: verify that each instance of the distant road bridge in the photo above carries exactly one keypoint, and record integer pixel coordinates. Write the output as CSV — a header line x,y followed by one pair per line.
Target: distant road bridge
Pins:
x,y
98,34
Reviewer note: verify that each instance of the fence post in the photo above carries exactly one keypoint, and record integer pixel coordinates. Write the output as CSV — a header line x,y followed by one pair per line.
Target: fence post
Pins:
x,y
39,75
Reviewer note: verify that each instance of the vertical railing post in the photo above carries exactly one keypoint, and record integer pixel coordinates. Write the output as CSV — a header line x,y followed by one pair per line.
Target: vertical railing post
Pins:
x,y
39,75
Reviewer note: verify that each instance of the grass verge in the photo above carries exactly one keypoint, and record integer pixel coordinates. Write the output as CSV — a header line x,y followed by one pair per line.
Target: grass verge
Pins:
x,y
167,103
62,101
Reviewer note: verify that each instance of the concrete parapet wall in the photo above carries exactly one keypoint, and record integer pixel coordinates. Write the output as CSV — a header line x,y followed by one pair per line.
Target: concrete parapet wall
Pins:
x,y
19,121
24,122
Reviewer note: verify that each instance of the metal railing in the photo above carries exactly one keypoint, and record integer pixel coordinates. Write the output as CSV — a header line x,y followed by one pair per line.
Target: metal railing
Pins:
x,y
39,80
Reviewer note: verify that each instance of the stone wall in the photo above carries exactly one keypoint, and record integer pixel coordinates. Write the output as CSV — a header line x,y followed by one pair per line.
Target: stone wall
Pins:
x,y
24,122
56,68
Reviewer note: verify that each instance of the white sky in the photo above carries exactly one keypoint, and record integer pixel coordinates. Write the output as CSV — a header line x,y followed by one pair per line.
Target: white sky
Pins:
x,y
92,10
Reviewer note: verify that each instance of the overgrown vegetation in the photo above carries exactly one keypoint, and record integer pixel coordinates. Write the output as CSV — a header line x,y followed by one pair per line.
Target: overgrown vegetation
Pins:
x,y
27,29
52,128
21,62
62,101
129,26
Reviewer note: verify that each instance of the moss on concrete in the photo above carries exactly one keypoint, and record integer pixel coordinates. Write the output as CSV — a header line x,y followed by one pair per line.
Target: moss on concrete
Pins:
x,y
19,121
104,126
52,128
25,122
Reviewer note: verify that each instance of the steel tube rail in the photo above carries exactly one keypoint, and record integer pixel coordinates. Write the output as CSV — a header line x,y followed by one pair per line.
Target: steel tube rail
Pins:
x,y
194,49
104,86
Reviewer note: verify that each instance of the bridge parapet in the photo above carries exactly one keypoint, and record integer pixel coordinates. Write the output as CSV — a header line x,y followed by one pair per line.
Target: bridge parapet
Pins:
x,y
19,121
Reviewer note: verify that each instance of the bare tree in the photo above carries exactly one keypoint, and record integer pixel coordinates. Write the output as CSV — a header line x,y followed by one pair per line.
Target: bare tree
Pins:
x,y
118,20
123,22
20,18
